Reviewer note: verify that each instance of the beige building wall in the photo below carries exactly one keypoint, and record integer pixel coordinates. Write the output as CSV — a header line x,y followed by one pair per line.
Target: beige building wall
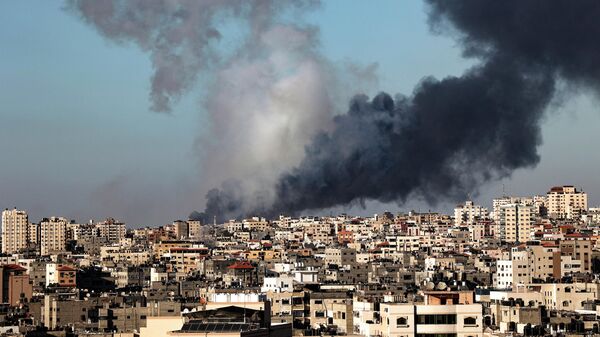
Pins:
x,y
544,262
566,202
161,325
516,222
400,319
34,233
578,249
53,235
15,231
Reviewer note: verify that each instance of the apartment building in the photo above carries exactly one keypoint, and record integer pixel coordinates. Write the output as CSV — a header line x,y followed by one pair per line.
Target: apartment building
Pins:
x,y
187,259
195,229
340,256
121,255
578,248
516,222
449,320
15,285
469,213
566,202
60,275
112,230
53,235
15,231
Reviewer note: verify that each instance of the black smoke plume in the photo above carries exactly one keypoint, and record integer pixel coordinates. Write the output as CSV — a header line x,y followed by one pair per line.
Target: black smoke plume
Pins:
x,y
450,135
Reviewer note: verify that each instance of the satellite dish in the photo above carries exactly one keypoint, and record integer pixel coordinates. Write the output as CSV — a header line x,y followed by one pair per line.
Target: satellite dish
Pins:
x,y
441,286
430,285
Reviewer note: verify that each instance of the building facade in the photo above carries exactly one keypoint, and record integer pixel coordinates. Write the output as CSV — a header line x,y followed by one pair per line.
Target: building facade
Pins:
x,y
15,231
53,235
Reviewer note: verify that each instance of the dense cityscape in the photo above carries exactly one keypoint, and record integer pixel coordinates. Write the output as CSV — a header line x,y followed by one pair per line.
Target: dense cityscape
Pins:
x,y
259,168
527,266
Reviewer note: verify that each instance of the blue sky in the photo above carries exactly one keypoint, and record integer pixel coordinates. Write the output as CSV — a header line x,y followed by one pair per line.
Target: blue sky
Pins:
x,y
78,138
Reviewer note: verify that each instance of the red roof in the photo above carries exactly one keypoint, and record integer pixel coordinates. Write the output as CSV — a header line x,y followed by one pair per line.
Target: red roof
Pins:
x,y
66,268
241,265
14,267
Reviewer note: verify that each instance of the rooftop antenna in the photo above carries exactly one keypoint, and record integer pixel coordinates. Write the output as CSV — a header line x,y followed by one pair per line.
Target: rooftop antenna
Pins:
x,y
214,220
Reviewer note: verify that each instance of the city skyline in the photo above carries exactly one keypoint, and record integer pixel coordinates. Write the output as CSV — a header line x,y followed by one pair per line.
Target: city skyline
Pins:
x,y
287,168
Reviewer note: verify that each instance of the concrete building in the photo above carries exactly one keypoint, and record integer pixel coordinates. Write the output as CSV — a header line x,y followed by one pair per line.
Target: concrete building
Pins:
x,y
34,234
566,202
450,320
181,229
15,283
61,275
111,229
15,231
63,310
578,248
469,213
121,255
340,256
187,260
195,229
514,317
516,222
122,319
53,235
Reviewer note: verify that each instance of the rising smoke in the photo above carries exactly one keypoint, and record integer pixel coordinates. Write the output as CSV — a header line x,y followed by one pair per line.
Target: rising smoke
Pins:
x,y
181,36
266,88
277,143
452,135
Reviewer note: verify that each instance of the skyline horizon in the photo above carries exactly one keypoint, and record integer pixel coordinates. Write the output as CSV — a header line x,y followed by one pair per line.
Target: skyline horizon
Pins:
x,y
352,211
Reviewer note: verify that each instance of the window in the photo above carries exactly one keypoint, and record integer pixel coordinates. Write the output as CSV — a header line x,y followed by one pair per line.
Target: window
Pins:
x,y
470,321
401,321
436,319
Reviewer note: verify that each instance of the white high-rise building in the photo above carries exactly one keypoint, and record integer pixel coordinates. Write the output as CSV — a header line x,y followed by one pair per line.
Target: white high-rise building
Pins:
x,y
15,230
53,235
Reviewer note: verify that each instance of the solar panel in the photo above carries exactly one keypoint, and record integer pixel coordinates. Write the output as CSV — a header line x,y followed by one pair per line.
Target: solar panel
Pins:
x,y
200,326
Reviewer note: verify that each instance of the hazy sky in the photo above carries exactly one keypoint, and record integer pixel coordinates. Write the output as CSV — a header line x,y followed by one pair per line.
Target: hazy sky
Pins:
x,y
78,138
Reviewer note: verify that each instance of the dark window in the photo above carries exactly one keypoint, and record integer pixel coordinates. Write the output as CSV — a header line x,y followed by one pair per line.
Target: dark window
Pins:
x,y
436,319
470,321
401,321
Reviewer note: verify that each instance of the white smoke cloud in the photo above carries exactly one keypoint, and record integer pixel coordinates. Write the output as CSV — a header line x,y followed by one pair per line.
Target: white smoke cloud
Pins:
x,y
265,99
